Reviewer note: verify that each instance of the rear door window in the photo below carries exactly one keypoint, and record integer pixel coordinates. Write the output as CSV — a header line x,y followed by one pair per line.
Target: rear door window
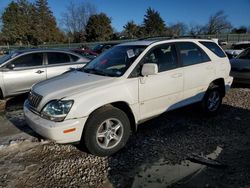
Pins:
x,y
191,54
214,48
58,58
29,60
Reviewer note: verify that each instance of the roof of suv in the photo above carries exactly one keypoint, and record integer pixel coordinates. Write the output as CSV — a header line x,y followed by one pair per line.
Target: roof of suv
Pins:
x,y
148,42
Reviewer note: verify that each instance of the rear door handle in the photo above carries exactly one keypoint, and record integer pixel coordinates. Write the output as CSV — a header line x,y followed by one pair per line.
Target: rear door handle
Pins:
x,y
39,72
177,75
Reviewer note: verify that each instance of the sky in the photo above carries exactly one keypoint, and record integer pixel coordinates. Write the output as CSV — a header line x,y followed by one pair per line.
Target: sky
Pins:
x,y
187,11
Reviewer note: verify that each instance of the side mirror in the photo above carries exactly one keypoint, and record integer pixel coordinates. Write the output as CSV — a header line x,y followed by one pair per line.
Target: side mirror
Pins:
x,y
11,66
149,69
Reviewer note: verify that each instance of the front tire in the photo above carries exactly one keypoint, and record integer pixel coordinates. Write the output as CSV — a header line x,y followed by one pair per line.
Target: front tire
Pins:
x,y
212,101
106,131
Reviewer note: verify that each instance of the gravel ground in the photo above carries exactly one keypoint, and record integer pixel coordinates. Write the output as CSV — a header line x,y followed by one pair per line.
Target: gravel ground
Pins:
x,y
170,138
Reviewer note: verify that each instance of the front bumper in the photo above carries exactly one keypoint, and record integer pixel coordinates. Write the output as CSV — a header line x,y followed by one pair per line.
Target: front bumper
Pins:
x,y
228,83
55,130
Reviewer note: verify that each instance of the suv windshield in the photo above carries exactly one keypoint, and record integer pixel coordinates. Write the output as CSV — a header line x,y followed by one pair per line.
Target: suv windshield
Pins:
x,y
245,54
6,57
115,61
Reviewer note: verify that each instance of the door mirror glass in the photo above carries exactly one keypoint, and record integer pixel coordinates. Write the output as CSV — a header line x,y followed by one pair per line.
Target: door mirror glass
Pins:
x,y
149,69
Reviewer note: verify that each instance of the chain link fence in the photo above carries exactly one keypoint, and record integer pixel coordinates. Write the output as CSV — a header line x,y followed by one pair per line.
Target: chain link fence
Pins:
x,y
229,38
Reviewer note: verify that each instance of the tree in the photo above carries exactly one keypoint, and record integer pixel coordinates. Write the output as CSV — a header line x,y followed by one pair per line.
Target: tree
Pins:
x,y
131,30
99,28
1,38
75,18
178,29
46,27
153,23
218,23
196,29
239,30
28,23
17,21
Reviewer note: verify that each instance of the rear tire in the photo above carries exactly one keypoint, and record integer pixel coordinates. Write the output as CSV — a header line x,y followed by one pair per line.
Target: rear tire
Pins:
x,y
212,100
106,131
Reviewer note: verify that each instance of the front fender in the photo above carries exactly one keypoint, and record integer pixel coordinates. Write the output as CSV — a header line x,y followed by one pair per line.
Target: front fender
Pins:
x,y
86,103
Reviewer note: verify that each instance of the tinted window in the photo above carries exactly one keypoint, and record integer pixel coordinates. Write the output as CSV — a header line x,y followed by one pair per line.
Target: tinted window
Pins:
x,y
98,47
58,58
214,48
29,60
240,46
164,56
245,54
191,54
74,58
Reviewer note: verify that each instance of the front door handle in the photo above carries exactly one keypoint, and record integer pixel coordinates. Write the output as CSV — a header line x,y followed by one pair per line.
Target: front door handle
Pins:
x,y
39,72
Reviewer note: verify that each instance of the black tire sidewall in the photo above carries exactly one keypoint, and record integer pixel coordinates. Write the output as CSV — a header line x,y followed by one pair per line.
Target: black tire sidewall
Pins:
x,y
91,127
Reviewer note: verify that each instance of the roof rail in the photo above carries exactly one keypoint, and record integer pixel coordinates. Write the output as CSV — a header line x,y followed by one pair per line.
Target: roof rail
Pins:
x,y
187,36
172,37
155,38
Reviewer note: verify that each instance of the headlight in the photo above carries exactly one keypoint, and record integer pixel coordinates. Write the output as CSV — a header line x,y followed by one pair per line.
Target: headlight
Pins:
x,y
57,110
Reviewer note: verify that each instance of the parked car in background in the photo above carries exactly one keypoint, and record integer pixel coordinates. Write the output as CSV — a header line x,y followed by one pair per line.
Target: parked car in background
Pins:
x,y
19,70
102,103
237,48
222,42
103,47
3,51
88,53
240,67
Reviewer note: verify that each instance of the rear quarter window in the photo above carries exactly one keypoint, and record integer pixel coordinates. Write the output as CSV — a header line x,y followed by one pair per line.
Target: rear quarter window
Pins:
x,y
74,58
58,58
214,48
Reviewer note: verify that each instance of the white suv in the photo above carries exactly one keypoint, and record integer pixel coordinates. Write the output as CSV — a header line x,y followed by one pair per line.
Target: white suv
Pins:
x,y
102,103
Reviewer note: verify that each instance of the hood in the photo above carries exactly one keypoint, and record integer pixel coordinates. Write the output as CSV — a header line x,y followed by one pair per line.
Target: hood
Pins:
x,y
69,83
240,63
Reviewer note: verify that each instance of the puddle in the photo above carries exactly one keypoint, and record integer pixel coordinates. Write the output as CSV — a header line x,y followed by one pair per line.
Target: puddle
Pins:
x,y
160,174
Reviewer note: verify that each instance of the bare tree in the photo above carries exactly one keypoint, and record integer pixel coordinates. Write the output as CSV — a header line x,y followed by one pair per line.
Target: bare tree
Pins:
x,y
195,29
218,23
178,29
75,18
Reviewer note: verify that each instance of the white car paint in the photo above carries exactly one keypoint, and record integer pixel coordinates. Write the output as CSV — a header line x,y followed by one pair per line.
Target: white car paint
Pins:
x,y
146,96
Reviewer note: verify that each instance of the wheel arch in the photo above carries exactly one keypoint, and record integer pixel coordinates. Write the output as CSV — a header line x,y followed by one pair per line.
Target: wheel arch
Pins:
x,y
123,106
221,83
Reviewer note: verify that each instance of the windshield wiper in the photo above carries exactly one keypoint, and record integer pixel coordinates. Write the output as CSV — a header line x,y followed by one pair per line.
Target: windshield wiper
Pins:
x,y
96,71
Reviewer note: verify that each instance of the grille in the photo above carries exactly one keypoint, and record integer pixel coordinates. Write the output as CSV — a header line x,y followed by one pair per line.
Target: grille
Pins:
x,y
34,99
